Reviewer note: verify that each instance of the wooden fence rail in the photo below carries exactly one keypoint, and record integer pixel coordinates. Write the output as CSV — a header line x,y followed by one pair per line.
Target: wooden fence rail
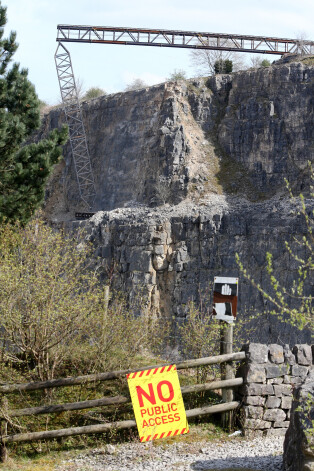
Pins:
x,y
105,401
87,429
73,381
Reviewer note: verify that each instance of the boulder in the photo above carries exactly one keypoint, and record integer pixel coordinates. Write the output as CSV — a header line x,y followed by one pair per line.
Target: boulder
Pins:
x,y
303,354
274,415
256,352
299,440
276,353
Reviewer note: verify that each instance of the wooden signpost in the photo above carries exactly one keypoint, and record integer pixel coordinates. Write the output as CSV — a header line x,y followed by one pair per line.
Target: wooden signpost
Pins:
x,y
225,309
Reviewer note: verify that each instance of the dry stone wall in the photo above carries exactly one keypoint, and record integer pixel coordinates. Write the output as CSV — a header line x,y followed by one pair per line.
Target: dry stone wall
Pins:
x,y
271,373
299,439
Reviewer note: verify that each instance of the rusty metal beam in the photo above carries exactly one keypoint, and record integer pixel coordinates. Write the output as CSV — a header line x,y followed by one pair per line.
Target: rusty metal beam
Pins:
x,y
183,39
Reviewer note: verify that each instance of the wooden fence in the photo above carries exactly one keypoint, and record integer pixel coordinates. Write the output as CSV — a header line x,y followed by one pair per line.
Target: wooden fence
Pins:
x,y
226,384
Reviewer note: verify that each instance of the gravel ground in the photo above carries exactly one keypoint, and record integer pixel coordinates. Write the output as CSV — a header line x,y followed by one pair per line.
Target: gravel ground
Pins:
x,y
257,454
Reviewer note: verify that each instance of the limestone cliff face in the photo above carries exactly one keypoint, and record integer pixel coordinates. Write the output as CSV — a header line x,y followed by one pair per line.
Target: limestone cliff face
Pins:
x,y
145,146
268,124
171,255
189,173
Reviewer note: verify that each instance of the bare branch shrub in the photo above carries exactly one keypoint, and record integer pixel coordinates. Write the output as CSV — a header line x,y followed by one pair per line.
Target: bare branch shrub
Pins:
x,y
55,317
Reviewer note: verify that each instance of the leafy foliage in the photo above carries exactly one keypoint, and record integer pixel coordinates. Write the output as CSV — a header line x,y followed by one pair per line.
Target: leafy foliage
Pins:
x,y
94,92
257,61
24,169
292,303
265,63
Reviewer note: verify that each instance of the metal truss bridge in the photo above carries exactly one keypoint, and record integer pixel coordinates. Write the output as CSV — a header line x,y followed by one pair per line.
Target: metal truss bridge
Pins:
x,y
183,39
142,37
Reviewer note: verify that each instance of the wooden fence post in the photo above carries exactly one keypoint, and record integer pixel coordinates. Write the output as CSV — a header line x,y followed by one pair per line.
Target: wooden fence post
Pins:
x,y
3,433
226,343
105,313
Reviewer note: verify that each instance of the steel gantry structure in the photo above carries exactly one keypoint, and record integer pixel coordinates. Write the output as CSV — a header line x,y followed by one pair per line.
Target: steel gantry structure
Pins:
x,y
183,39
143,37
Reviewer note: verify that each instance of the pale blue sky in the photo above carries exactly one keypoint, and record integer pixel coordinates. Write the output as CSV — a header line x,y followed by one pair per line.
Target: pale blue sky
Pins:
x,y
112,67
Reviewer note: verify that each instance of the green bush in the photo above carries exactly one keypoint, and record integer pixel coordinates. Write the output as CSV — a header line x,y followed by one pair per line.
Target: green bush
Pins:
x,y
56,318
265,63
94,92
177,74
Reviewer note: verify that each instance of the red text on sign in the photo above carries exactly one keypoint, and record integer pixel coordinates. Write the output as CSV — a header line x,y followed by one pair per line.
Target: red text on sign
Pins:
x,y
164,419
159,410
165,393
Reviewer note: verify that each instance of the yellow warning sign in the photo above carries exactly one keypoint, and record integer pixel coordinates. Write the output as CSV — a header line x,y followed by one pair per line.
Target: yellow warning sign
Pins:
x,y
157,403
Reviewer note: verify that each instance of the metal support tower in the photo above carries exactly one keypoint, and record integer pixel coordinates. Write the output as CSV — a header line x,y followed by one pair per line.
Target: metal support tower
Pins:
x,y
74,119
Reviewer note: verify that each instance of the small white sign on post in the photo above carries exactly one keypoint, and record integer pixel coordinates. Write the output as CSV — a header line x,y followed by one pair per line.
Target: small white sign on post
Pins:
x,y
225,298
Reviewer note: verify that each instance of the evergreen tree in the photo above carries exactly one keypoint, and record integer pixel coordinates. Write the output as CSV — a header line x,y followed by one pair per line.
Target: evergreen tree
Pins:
x,y
223,66
24,169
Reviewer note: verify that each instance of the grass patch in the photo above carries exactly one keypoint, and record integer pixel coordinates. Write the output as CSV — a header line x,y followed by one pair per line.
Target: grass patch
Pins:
x,y
308,60
235,179
47,459
34,463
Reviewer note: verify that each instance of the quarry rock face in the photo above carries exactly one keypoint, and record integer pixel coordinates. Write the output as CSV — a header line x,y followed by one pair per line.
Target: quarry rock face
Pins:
x,y
190,173
170,255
